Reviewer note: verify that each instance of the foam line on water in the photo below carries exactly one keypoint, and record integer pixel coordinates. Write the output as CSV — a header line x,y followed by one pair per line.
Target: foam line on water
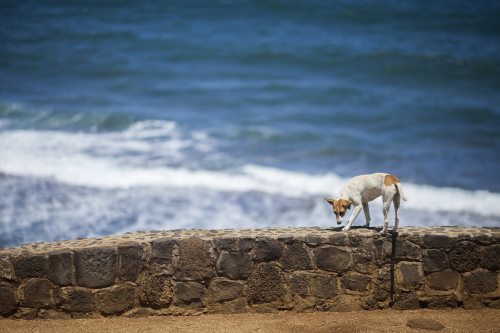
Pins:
x,y
121,160
103,161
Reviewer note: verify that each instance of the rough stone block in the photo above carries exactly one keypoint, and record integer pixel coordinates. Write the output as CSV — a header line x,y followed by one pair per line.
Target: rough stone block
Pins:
x,y
473,302
235,306
161,251
38,293
494,304
381,291
155,290
408,275
481,282
444,280
234,265
31,266
85,315
325,286
407,250
364,262
300,284
26,313
286,239
406,301
434,260
226,243
438,241
268,249
356,282
483,238
346,303
95,267
296,257
313,240
338,239
77,299
383,248
364,244
369,303
303,304
6,268
223,290
53,314
355,240
465,257
8,300
131,261
189,294
491,258
333,259
195,260
440,302
246,244
141,313
115,300
61,267
266,284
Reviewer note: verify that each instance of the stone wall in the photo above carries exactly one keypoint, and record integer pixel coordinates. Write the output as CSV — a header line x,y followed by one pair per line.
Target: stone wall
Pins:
x,y
256,270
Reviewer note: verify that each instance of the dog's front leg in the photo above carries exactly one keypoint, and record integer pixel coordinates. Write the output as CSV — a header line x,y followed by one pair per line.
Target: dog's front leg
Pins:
x,y
355,214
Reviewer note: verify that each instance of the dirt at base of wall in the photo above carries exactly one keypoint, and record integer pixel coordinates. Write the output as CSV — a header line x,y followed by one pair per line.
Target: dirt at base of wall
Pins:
x,y
456,320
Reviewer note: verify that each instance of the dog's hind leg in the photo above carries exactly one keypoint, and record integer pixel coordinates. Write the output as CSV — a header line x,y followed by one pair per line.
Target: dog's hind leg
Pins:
x,y
366,210
386,205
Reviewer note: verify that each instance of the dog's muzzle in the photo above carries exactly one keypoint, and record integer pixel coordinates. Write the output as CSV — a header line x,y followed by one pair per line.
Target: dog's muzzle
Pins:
x,y
339,222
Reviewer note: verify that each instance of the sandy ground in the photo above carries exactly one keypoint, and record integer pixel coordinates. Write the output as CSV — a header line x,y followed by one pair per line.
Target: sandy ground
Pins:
x,y
318,322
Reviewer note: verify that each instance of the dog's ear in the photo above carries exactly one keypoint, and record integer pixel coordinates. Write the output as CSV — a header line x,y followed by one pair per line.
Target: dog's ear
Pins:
x,y
347,204
330,201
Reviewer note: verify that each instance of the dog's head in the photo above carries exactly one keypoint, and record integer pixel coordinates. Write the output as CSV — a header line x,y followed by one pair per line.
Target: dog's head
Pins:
x,y
340,207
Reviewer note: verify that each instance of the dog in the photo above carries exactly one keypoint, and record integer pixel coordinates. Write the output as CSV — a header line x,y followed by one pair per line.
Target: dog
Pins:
x,y
360,190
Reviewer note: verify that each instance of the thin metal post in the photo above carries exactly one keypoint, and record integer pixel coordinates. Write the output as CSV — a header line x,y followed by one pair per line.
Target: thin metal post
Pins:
x,y
393,259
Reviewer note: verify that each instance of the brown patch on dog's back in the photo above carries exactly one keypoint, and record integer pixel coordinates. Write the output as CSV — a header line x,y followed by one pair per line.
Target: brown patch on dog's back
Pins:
x,y
390,180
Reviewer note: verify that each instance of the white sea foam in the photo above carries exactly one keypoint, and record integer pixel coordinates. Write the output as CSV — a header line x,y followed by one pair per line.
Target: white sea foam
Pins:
x,y
122,160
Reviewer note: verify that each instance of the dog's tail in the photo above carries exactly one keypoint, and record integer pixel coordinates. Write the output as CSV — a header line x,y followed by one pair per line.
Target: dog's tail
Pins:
x,y
399,188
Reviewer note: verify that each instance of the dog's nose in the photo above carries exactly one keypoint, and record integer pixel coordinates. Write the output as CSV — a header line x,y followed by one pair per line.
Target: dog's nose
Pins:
x,y
339,222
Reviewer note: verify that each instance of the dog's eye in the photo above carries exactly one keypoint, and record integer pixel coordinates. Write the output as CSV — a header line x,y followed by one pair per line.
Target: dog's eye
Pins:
x,y
342,214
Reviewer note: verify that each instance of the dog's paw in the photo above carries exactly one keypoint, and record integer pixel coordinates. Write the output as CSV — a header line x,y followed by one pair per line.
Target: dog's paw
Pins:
x,y
345,229
383,232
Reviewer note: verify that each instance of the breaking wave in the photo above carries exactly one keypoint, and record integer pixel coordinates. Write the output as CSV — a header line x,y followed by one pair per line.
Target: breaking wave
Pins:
x,y
157,154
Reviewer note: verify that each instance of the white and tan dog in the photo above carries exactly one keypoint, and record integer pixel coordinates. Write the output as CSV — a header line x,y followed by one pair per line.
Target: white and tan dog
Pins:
x,y
362,189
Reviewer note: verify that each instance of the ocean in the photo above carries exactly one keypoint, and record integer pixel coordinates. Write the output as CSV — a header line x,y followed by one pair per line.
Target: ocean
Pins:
x,y
119,116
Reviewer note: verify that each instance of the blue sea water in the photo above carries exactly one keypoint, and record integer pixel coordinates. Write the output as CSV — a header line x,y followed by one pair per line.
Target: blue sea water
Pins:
x,y
118,116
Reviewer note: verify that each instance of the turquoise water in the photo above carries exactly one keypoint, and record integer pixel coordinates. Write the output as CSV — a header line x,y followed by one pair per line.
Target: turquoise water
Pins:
x,y
162,115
